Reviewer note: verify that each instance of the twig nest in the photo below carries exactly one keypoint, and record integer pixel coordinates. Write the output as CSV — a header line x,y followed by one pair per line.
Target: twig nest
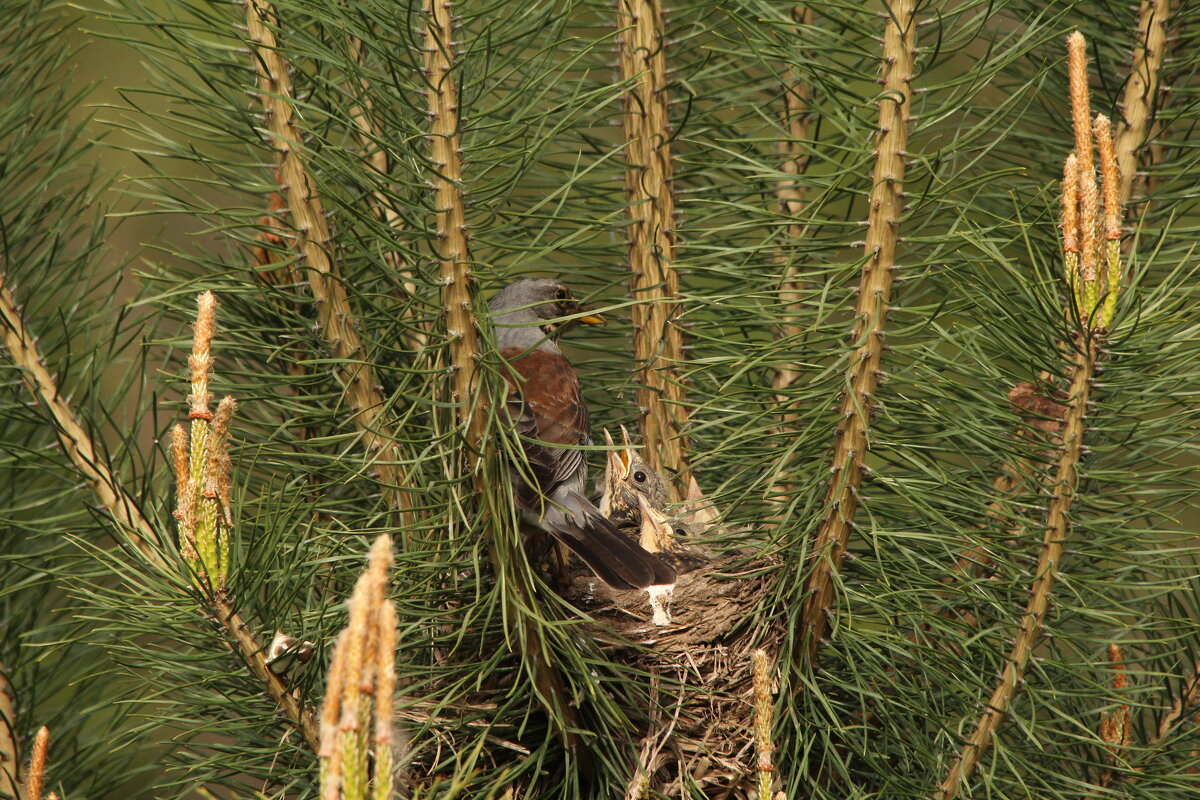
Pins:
x,y
701,728
706,604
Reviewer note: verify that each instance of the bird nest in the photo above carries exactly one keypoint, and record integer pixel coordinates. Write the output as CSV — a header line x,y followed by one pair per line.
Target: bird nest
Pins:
x,y
706,700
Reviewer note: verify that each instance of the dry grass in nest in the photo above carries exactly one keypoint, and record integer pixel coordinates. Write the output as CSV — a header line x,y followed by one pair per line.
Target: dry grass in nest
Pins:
x,y
702,727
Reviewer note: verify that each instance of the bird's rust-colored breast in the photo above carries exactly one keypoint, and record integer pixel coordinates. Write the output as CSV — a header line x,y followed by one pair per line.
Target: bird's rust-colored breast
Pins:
x,y
550,388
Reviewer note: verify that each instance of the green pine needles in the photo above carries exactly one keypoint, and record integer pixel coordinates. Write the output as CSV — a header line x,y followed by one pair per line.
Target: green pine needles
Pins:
x,y
901,306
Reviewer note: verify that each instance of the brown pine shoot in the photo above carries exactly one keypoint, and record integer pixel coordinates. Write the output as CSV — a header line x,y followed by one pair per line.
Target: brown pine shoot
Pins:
x,y
36,775
1080,220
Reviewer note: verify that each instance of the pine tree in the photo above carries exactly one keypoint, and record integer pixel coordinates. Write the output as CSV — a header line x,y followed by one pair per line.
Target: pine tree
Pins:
x,y
900,305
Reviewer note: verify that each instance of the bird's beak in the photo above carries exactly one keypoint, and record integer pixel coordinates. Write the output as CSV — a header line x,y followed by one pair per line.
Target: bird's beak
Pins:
x,y
592,319
649,512
620,459
618,467
655,533
627,453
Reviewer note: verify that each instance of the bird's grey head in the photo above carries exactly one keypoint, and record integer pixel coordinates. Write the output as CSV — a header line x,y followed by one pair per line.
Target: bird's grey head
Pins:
x,y
522,310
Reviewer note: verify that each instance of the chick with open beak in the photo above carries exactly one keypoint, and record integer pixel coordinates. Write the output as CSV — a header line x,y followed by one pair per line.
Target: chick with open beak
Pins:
x,y
627,477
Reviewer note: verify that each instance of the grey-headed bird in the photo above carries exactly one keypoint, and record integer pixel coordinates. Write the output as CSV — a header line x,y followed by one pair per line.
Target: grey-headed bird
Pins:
x,y
546,406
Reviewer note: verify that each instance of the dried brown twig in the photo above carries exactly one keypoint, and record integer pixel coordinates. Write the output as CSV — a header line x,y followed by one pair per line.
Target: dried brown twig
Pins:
x,y
1188,700
857,407
652,755
1116,726
1041,410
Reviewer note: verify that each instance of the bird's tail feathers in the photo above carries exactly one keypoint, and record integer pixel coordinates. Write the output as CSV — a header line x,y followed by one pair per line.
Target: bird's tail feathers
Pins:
x,y
619,562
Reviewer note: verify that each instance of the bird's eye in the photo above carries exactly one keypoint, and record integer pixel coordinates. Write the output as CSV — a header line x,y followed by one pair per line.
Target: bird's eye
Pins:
x,y
680,532
639,476
562,294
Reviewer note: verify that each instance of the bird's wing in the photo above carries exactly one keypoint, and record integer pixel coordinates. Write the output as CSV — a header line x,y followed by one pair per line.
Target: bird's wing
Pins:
x,y
548,410
619,561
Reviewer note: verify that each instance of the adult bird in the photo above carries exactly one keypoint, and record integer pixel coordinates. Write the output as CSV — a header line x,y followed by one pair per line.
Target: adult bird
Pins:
x,y
546,406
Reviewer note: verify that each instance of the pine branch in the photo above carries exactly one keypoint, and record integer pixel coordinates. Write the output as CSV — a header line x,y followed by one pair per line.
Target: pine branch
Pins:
x,y
1083,366
122,508
541,172
1141,90
316,246
657,336
75,441
1081,252
462,327
201,491
9,762
858,403
1040,426
252,653
453,248
793,149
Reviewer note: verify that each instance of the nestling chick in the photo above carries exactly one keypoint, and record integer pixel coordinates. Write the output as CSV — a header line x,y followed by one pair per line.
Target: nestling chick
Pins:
x,y
661,536
627,477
